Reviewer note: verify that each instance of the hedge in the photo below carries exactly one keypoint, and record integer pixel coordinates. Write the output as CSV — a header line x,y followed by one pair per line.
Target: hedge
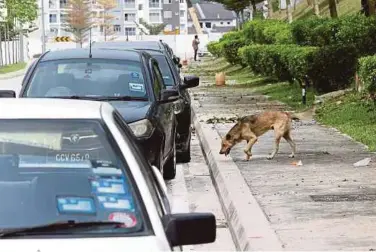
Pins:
x,y
329,68
357,30
267,32
367,72
230,50
215,48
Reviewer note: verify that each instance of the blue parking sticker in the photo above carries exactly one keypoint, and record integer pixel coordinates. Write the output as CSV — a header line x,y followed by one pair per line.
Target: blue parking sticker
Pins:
x,y
116,202
135,75
108,186
137,87
76,205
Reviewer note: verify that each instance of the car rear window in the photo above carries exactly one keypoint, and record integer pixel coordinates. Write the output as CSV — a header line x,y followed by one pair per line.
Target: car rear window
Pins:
x,y
62,170
88,77
165,70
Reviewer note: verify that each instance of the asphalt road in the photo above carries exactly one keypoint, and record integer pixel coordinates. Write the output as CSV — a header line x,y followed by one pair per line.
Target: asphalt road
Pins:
x,y
192,190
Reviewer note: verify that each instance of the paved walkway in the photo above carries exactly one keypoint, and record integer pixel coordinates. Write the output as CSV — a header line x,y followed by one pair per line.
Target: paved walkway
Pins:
x,y
325,204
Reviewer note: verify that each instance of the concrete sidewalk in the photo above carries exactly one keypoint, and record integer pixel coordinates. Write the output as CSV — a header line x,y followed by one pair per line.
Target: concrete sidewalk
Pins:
x,y
325,204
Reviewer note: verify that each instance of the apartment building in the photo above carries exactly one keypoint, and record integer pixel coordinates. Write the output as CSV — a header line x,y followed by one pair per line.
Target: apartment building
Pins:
x,y
173,13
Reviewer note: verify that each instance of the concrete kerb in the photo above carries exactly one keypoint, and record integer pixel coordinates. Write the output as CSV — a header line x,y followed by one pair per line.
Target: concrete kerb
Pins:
x,y
247,222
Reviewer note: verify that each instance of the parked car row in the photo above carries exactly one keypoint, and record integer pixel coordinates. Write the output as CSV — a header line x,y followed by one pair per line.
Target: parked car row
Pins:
x,y
88,152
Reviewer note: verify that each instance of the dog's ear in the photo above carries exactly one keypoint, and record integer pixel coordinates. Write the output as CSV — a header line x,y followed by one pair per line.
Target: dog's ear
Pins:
x,y
228,137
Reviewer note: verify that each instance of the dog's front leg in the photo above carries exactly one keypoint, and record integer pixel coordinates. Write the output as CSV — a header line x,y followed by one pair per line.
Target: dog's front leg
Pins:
x,y
276,147
250,142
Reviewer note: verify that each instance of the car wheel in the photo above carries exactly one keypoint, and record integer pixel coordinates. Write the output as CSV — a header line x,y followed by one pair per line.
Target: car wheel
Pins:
x,y
185,156
169,169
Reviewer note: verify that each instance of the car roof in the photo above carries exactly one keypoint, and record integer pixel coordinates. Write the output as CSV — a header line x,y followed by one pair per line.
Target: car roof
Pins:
x,y
140,44
50,108
97,53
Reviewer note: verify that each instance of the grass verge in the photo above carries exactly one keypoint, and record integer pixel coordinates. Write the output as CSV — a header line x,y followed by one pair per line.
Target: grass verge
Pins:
x,y
352,116
12,68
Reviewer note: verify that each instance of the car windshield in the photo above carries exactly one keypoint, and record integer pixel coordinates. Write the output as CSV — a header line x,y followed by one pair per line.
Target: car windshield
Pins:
x,y
88,77
64,170
165,70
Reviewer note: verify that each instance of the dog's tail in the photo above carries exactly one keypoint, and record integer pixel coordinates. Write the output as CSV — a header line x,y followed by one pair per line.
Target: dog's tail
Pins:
x,y
292,116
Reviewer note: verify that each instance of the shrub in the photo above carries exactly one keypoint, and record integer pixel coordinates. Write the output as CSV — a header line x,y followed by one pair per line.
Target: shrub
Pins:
x,y
367,72
267,32
333,67
214,47
230,50
329,68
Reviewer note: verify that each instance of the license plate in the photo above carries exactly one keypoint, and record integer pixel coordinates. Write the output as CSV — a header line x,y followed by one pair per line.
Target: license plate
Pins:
x,y
71,157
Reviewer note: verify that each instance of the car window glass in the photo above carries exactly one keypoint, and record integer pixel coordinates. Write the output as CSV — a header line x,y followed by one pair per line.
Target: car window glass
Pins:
x,y
88,77
165,70
61,170
158,80
159,197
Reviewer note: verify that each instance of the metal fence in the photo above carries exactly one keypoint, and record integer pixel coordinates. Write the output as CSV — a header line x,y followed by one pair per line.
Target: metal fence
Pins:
x,y
11,46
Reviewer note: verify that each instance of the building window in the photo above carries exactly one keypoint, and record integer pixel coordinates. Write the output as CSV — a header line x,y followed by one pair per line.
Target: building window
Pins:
x,y
182,13
130,17
53,18
221,23
228,23
63,4
54,31
167,1
182,27
154,3
63,18
131,31
52,4
200,24
94,2
167,14
208,25
181,1
129,3
154,17
117,28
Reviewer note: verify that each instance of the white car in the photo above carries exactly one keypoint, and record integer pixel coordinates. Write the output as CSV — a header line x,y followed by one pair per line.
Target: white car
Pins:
x,y
72,179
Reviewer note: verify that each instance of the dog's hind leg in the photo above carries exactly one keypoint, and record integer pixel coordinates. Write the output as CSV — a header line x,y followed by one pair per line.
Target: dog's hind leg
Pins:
x,y
287,137
277,140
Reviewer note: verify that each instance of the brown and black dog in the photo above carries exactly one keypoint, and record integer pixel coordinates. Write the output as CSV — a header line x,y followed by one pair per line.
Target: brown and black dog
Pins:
x,y
249,128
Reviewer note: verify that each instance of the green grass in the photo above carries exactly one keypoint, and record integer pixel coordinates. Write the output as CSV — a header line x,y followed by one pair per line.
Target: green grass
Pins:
x,y
290,94
302,10
12,68
352,116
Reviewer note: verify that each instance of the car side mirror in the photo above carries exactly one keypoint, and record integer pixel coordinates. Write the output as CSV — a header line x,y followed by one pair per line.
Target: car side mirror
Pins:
x,y
176,60
169,95
7,94
36,56
190,228
180,65
190,82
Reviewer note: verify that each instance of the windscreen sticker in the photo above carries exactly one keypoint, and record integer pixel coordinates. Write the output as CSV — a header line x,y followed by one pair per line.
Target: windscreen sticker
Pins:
x,y
114,186
137,87
128,219
107,171
72,205
135,75
116,202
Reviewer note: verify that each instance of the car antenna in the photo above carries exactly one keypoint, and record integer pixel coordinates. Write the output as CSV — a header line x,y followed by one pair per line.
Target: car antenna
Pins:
x,y
90,55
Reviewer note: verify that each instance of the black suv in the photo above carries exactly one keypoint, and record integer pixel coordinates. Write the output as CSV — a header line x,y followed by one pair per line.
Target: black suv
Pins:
x,y
130,80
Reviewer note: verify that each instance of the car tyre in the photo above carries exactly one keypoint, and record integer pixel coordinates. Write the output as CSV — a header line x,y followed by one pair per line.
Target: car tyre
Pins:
x,y
185,156
169,169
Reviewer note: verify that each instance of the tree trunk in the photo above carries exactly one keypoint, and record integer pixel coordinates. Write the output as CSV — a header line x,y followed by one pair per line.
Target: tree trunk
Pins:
x,y
288,12
270,9
254,7
371,7
316,7
309,2
333,8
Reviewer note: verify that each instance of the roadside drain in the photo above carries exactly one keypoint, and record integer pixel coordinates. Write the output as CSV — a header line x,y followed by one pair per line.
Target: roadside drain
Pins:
x,y
343,197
